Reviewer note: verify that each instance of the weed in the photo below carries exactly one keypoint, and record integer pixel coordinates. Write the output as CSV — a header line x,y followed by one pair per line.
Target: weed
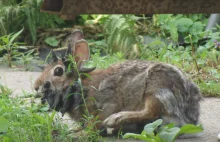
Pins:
x,y
25,58
155,132
26,14
26,123
210,88
8,43
121,35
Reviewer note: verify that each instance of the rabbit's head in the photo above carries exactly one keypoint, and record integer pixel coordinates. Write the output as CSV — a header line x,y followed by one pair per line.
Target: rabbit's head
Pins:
x,y
61,72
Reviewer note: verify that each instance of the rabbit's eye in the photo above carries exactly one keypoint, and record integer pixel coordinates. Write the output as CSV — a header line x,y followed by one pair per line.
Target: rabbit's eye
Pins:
x,y
58,71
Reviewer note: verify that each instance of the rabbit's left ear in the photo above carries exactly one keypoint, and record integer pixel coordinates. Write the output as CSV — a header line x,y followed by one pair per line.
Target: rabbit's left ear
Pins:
x,y
81,51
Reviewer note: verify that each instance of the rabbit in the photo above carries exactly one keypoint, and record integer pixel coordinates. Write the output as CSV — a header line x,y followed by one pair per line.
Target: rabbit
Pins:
x,y
130,92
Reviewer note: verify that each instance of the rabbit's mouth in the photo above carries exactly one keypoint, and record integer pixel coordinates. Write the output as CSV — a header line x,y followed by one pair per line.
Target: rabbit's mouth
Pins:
x,y
54,98
61,100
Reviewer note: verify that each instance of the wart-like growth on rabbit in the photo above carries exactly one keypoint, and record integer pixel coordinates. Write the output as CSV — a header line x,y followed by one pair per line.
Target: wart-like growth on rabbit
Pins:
x,y
132,92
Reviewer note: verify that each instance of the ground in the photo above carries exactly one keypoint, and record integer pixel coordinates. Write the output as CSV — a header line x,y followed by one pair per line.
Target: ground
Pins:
x,y
20,81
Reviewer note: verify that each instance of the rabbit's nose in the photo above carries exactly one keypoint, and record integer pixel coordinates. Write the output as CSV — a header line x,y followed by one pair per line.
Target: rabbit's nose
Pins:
x,y
46,84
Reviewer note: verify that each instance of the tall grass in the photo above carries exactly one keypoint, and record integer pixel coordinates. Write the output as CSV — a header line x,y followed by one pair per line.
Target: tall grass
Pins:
x,y
29,122
14,16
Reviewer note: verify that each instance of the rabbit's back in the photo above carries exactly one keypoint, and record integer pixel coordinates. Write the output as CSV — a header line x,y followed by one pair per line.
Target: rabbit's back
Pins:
x,y
131,82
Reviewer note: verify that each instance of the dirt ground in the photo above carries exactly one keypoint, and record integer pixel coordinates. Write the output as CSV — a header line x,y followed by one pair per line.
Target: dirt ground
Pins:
x,y
21,82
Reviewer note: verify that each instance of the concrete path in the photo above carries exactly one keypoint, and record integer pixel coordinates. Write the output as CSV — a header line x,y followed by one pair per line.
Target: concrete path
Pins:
x,y
21,82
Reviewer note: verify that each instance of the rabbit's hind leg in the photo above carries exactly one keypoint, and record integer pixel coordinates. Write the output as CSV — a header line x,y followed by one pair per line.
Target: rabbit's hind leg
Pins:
x,y
151,111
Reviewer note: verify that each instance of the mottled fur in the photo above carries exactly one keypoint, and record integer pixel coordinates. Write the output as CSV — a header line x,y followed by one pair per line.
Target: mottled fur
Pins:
x,y
139,91
132,92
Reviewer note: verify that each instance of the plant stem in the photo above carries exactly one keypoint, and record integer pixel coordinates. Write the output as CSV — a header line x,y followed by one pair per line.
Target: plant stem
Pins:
x,y
193,54
81,87
9,58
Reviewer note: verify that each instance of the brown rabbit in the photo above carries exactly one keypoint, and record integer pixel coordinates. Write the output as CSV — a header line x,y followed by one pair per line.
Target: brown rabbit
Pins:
x,y
132,92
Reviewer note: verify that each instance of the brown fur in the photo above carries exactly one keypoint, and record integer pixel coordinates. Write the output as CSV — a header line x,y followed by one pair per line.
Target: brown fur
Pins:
x,y
131,92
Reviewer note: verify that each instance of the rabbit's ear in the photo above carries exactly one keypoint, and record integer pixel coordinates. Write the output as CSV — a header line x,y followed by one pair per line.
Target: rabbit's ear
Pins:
x,y
81,52
72,39
54,56
75,36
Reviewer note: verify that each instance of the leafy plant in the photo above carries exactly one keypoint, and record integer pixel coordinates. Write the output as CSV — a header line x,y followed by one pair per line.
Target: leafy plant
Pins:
x,y
21,122
121,35
25,58
26,13
210,88
8,43
4,124
155,132
180,26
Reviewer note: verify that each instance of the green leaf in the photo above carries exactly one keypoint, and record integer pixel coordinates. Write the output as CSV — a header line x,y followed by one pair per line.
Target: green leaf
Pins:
x,y
171,125
138,136
183,24
196,28
194,38
168,134
52,41
14,36
190,129
149,128
194,17
173,31
4,124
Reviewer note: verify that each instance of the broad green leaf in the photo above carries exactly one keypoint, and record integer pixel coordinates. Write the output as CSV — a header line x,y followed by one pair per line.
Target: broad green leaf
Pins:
x,y
194,17
183,24
171,125
52,41
190,129
163,18
169,134
149,128
194,38
4,124
138,136
196,28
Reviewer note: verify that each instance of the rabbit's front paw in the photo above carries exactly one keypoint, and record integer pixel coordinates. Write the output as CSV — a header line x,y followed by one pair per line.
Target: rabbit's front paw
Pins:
x,y
114,120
